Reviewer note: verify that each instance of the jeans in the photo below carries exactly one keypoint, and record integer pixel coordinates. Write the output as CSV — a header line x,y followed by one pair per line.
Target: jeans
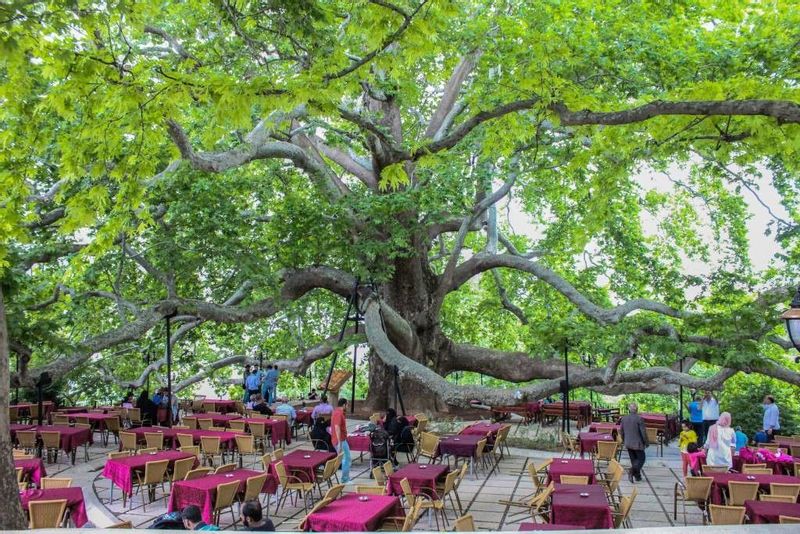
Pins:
x,y
246,397
706,425
271,391
637,462
344,447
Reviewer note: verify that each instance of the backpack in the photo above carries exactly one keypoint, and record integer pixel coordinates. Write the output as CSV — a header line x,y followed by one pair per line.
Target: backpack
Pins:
x,y
169,521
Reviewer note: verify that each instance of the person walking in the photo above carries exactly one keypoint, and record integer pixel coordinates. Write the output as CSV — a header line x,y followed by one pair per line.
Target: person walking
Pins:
x,y
246,395
271,383
710,408
720,442
696,417
252,384
772,417
634,437
339,437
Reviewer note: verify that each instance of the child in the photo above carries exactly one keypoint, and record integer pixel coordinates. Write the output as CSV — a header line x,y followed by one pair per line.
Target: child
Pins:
x,y
741,439
687,436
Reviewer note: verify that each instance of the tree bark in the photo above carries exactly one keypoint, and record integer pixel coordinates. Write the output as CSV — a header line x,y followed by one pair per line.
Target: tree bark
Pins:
x,y
11,516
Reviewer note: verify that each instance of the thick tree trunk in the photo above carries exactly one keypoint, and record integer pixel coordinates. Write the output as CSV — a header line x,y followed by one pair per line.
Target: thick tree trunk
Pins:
x,y
11,516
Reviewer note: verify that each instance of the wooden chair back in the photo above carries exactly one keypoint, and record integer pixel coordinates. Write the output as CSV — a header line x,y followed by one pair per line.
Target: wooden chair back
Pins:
x,y
154,440
792,490
181,467
227,468
185,440
575,479
55,483
254,486
738,492
788,499
334,492
128,440
371,490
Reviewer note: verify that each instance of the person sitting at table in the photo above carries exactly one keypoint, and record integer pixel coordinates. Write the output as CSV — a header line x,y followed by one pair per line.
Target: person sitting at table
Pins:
x,y
158,396
320,436
284,408
741,439
260,405
323,408
148,409
193,519
721,440
390,424
312,395
129,400
405,438
253,518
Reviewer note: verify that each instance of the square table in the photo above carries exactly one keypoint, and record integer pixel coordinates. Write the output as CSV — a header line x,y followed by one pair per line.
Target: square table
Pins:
x,y
97,420
461,446
351,514
33,468
226,439
304,464
588,440
482,429
203,491
759,512
721,481
71,437
221,405
278,428
218,419
570,466
303,417
547,526
422,477
359,441
591,511
74,497
120,470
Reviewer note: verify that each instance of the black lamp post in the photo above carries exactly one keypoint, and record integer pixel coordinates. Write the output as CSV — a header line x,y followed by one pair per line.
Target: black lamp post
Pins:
x,y
792,318
588,360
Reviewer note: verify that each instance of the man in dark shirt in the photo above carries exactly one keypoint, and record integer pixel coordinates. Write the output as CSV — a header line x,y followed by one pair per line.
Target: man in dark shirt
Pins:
x,y
252,517
634,437
260,405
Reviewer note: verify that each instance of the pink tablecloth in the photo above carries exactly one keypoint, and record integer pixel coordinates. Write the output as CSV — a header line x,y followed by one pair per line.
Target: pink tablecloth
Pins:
x,y
421,477
588,441
222,406
592,511
219,419
97,420
34,469
73,409
359,442
547,526
304,468
779,464
74,497
482,429
570,467
721,481
278,429
463,445
202,491
759,512
120,470
350,514
71,437
303,417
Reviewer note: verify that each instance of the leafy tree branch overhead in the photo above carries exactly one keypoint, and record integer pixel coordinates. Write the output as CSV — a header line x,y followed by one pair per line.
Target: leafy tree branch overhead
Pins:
x,y
244,164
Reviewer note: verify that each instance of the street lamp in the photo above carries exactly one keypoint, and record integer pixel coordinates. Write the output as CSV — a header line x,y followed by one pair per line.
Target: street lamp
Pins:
x,y
792,318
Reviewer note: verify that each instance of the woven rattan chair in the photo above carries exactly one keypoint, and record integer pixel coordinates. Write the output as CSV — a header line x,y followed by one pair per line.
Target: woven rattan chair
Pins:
x,y
47,514
788,520
128,440
226,468
747,468
622,515
51,444
154,440
726,515
200,472
694,489
738,492
226,494
334,492
792,490
291,484
154,476
210,446
777,498
371,490
55,483
575,479
429,447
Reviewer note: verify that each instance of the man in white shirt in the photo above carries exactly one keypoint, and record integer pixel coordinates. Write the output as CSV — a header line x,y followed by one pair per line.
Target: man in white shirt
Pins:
x,y
771,417
710,408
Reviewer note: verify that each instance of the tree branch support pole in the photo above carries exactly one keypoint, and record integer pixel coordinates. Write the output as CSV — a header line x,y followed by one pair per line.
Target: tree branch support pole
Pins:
x,y
565,422
169,371
680,392
398,395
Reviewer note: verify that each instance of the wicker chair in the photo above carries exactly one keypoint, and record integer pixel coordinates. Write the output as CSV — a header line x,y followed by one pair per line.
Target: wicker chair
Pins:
x,y
715,469
436,507
154,440
327,475
26,440
245,446
788,499
748,468
210,446
180,469
226,494
47,514
227,468
738,492
253,488
575,479
154,475
726,515
429,447
129,442
200,472
292,484
193,449
788,520
792,490
335,492
694,489
622,515
371,490
51,444
55,483
465,523
124,524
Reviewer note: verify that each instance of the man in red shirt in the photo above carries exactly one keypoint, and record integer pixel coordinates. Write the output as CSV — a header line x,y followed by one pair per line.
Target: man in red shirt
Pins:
x,y
339,437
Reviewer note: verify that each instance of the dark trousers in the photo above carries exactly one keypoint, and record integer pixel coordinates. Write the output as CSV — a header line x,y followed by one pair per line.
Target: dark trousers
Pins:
x,y
698,429
637,462
706,425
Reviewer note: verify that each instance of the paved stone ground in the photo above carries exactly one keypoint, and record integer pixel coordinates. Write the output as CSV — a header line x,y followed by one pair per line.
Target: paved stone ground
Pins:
x,y
479,494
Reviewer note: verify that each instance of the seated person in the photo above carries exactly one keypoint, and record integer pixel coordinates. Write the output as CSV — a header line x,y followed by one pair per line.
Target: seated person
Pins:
x,y
405,439
313,394
392,425
193,519
741,439
260,405
320,436
284,408
323,408
253,517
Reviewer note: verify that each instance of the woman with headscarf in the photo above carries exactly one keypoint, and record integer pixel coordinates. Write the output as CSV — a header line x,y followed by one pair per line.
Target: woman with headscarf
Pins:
x,y
391,425
720,442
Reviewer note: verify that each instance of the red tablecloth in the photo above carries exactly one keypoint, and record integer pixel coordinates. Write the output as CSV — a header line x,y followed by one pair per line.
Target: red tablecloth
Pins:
x,y
570,467
74,497
120,470
768,512
202,491
97,420
592,511
359,442
603,427
576,409
721,481
227,439
350,514
219,419
303,417
222,406
588,440
482,429
33,468
73,409
278,429
463,445
71,437
547,526
14,427
422,477
304,468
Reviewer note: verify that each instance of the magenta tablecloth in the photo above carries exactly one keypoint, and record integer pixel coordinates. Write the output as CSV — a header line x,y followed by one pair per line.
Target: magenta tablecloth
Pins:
x,y
422,477
71,437
74,497
547,526
779,464
226,439
570,467
303,417
278,429
304,468
759,512
98,420
721,481
222,406
349,514
120,470
33,468
463,445
219,419
359,442
202,491
482,429
588,441
607,428
568,507
72,409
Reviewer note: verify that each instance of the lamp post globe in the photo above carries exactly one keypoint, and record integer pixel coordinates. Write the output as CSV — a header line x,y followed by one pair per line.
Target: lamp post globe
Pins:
x,y
792,318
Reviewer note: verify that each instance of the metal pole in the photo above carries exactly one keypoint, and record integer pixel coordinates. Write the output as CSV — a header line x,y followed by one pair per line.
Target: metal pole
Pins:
x,y
16,388
353,384
169,373
566,391
147,359
680,402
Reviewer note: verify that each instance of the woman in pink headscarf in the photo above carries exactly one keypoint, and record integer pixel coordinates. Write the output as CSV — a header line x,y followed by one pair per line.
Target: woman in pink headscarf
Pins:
x,y
720,442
